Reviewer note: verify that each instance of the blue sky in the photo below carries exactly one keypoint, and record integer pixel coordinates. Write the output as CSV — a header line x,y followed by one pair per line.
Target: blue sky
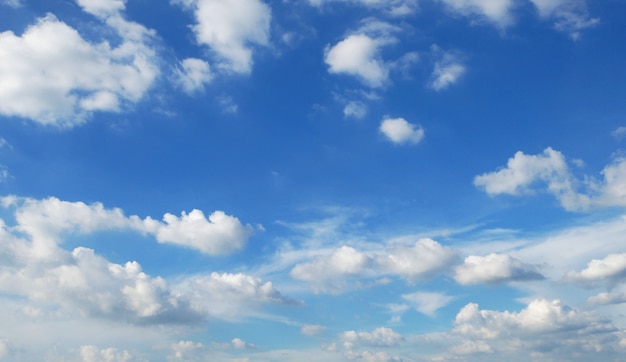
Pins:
x,y
315,180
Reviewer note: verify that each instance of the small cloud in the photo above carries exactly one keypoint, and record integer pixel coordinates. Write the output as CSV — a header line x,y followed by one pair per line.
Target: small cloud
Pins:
x,y
355,109
448,69
428,303
193,74
312,329
228,104
399,131
619,133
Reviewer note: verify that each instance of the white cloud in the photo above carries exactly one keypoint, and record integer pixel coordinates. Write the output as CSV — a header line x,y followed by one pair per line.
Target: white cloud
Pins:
x,y
355,109
390,7
12,3
612,297
543,326
550,167
421,261
571,15
53,76
428,302
231,28
619,132
193,74
94,354
45,220
448,69
312,329
229,296
494,269
102,8
398,130
357,55
611,270
497,12
187,351
380,337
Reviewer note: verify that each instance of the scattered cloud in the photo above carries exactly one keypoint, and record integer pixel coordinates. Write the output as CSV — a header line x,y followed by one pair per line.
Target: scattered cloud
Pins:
x,y
448,69
231,29
312,329
571,16
497,12
399,131
494,269
355,109
13,4
381,337
394,8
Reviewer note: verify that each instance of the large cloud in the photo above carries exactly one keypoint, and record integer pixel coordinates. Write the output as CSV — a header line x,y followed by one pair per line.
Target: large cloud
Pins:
x,y
231,28
542,327
53,76
610,270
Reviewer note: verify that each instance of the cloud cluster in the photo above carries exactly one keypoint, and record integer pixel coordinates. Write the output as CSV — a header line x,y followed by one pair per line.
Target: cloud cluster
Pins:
x,y
544,326
550,168
54,76
331,273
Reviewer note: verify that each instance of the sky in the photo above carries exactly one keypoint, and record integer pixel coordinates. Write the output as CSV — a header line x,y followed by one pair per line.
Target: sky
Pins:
x,y
312,180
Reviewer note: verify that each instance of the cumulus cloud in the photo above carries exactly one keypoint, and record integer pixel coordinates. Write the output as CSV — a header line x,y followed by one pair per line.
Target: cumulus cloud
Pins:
x,y
610,270
399,131
543,326
193,74
497,12
231,29
359,53
550,168
46,220
613,297
53,76
95,354
494,269
336,272
427,302
571,16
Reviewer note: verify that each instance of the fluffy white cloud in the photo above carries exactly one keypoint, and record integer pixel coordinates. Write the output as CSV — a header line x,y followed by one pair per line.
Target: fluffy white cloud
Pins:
x,y
398,130
571,15
427,302
46,220
102,8
421,261
231,28
611,270
229,296
53,76
447,71
193,74
543,326
344,268
550,168
494,269
497,12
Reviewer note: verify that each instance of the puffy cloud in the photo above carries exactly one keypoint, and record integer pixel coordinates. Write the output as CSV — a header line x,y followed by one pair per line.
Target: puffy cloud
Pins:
x,y
231,29
53,76
494,269
335,272
229,296
187,351
359,53
217,234
571,15
608,298
611,270
543,326
427,302
497,12
326,274
550,168
398,130
421,261
380,337
193,74
447,71
45,221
